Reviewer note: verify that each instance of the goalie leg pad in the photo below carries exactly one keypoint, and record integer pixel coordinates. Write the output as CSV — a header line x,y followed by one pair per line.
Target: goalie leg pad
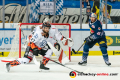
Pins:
x,y
49,53
59,54
28,53
23,60
20,61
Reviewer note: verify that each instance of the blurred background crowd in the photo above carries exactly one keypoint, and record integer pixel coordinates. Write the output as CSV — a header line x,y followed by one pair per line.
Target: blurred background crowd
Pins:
x,y
15,11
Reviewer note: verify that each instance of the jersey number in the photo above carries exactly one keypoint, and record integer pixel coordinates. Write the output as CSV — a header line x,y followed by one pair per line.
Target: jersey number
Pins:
x,y
32,40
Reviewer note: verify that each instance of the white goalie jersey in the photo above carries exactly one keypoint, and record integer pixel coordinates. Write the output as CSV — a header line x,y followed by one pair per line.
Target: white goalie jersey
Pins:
x,y
41,41
54,35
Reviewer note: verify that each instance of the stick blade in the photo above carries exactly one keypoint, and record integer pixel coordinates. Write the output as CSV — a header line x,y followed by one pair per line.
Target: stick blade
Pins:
x,y
73,51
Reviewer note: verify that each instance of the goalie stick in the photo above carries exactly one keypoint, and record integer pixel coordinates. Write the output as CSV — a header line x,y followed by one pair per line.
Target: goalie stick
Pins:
x,y
64,66
78,49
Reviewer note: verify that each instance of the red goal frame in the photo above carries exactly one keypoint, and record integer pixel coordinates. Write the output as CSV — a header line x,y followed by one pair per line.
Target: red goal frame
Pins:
x,y
41,24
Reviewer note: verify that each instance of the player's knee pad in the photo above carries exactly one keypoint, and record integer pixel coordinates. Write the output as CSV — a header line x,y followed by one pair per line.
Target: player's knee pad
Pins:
x,y
28,53
23,60
49,53
86,48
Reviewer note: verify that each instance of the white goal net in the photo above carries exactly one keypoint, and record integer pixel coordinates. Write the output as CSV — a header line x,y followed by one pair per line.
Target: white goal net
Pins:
x,y
21,35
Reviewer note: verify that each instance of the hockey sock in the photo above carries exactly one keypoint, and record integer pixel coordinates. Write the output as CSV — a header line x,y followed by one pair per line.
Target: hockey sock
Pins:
x,y
85,52
14,63
105,57
85,55
104,52
45,60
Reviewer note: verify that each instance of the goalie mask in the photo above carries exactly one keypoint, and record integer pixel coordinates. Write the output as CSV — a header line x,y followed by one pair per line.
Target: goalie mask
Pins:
x,y
45,24
47,20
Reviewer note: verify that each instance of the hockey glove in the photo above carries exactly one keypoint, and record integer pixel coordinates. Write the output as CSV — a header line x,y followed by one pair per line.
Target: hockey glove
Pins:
x,y
89,39
57,46
67,42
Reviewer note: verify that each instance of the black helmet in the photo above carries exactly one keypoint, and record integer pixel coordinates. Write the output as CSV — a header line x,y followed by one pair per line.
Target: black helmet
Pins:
x,y
45,24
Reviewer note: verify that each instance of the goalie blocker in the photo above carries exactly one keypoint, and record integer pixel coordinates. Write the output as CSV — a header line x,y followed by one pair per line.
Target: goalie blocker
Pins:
x,y
67,42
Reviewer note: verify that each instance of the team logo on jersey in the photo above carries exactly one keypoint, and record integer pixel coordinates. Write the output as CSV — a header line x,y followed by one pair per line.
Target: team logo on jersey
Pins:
x,y
72,74
93,26
91,30
43,43
99,28
98,33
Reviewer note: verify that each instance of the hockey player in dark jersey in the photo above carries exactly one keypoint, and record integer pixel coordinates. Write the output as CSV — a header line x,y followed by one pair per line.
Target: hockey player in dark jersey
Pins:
x,y
97,36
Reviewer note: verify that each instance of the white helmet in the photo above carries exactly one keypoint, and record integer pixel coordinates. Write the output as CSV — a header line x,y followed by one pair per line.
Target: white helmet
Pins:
x,y
46,20
93,15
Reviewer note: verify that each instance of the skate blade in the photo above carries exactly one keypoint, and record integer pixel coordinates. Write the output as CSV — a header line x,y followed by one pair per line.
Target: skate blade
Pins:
x,y
108,65
84,64
43,70
6,69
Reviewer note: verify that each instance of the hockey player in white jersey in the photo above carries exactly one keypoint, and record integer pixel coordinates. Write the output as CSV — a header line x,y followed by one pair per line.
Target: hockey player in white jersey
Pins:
x,y
37,45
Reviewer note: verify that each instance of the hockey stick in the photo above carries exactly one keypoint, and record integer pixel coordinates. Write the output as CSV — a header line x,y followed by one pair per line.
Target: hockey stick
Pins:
x,y
78,49
35,61
64,66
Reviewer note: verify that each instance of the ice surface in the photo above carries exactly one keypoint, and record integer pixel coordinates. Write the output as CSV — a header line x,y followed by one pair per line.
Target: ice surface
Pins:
x,y
58,72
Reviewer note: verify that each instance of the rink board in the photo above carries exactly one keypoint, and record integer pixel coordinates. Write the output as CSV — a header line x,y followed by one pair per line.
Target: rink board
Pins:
x,y
78,36
113,42
91,53
112,36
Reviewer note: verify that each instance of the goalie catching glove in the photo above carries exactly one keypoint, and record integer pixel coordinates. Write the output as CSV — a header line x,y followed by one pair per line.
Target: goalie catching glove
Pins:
x,y
67,41
57,46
